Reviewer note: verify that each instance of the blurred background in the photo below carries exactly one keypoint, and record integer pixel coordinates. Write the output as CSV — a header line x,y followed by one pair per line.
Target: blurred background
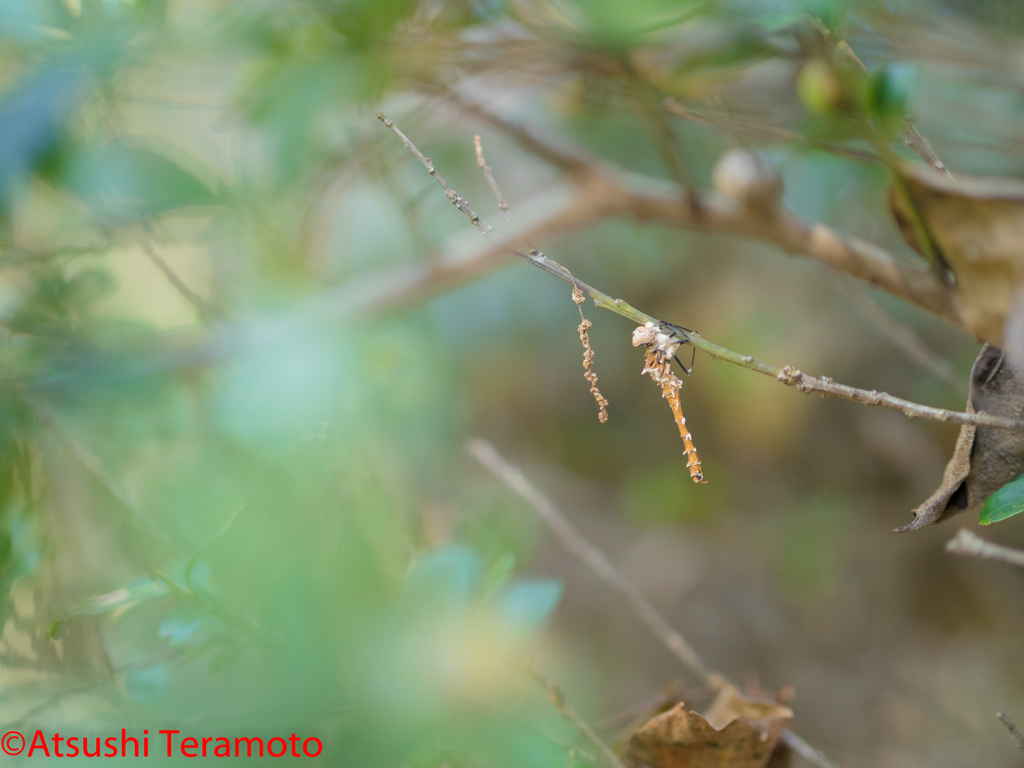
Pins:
x,y
235,501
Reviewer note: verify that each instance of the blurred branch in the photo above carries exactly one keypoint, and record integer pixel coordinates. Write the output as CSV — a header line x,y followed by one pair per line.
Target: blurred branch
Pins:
x,y
563,158
1011,726
574,542
970,544
456,199
206,312
486,170
850,255
566,710
902,337
914,139
770,132
90,462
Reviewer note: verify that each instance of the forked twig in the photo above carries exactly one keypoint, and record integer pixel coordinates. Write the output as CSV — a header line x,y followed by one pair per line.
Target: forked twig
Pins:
x,y
574,542
1011,726
566,710
456,199
970,544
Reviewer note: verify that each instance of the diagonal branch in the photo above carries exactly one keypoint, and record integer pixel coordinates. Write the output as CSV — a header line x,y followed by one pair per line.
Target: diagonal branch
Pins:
x,y
456,199
1018,737
592,557
970,544
557,697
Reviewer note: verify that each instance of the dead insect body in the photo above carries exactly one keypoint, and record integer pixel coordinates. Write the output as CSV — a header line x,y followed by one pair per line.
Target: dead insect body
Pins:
x,y
662,341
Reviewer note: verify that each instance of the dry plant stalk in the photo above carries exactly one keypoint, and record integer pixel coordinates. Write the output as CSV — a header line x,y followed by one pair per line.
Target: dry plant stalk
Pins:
x,y
584,328
661,348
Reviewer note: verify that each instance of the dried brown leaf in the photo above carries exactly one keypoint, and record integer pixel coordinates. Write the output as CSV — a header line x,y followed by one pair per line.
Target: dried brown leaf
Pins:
x,y
736,732
974,227
984,460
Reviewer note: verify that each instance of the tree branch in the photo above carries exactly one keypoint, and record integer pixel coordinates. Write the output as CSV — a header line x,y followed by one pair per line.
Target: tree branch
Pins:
x,y
456,199
592,557
566,710
645,198
1011,726
859,258
971,545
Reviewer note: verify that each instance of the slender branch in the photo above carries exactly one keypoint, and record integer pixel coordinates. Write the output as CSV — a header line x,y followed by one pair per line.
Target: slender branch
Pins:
x,y
455,198
568,160
850,255
914,139
971,545
788,375
486,169
206,312
574,542
825,387
566,710
1011,726
592,557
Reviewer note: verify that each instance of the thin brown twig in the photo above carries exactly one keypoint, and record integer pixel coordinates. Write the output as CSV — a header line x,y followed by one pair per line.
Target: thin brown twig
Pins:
x,y
486,169
456,199
824,386
574,542
970,544
1018,737
566,710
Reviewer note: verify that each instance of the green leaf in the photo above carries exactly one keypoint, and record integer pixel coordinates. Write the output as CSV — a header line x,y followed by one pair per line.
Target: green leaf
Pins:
x,y
446,575
147,684
180,624
1006,502
141,591
127,178
524,605
497,576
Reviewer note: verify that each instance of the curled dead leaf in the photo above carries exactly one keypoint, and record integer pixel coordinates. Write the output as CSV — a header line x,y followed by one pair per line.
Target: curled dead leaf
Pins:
x,y
984,460
974,229
736,732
